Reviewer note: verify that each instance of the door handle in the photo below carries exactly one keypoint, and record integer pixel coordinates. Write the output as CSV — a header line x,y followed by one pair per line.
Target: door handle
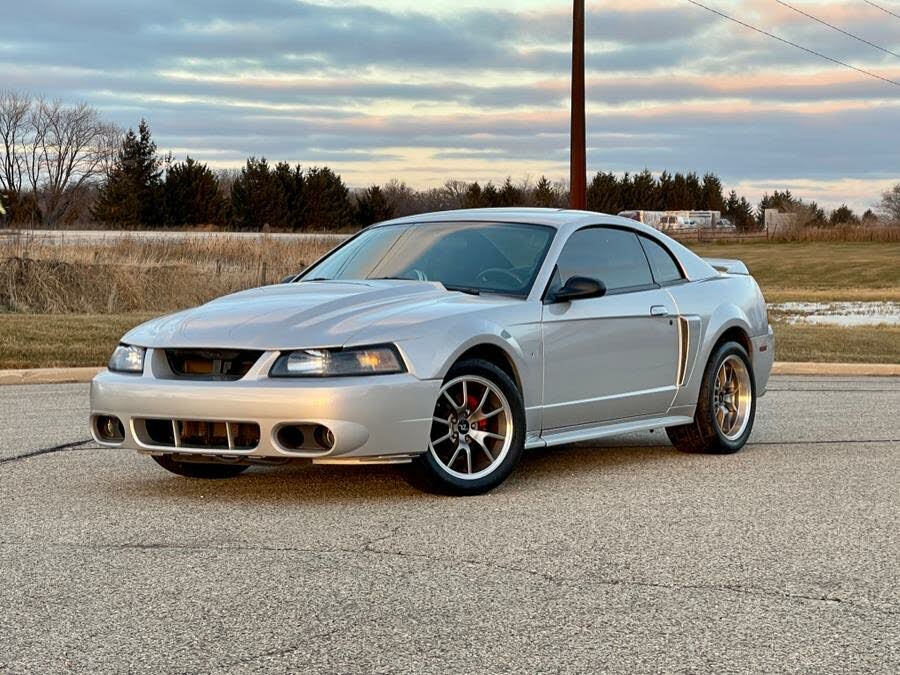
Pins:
x,y
658,310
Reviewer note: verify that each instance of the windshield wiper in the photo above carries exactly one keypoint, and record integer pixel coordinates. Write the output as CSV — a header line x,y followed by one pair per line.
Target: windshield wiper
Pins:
x,y
463,289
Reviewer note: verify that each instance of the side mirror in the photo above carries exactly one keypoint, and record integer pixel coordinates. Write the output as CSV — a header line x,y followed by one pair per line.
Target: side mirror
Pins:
x,y
288,279
579,288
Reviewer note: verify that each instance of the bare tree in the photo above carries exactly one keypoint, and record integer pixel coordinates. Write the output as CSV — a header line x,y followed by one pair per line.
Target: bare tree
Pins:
x,y
14,108
68,147
890,203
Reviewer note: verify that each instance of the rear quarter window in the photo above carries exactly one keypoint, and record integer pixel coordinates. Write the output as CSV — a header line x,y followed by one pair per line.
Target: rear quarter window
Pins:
x,y
662,264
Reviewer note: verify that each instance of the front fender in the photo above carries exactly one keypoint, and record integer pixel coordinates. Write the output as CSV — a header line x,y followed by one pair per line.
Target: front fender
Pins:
x,y
431,356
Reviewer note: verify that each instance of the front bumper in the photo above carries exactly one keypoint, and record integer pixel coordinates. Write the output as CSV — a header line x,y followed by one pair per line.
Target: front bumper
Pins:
x,y
369,416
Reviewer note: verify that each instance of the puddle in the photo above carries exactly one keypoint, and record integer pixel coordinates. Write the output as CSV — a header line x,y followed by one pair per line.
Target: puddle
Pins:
x,y
838,313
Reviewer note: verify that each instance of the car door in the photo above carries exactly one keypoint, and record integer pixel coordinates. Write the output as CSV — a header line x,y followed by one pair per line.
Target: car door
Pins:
x,y
615,356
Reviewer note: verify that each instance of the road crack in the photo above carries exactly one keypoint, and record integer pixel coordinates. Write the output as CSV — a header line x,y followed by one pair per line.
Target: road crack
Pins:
x,y
560,582
45,451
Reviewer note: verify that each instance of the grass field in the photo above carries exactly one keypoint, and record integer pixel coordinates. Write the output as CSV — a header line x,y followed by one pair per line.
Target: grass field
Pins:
x,y
44,341
68,305
817,270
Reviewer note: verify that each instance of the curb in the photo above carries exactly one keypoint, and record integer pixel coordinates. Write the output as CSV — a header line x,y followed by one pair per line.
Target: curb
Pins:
x,y
858,369
82,375
48,375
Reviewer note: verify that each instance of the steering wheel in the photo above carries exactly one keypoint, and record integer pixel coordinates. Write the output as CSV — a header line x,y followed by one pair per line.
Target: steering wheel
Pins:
x,y
483,275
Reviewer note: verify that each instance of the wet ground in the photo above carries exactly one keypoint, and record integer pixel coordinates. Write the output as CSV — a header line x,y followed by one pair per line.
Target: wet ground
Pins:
x,y
837,313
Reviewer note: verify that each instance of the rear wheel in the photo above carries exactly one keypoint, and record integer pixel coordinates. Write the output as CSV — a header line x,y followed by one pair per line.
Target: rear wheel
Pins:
x,y
199,469
477,432
726,406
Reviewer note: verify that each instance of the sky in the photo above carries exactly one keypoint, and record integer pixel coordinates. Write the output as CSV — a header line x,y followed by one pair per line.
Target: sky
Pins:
x,y
429,91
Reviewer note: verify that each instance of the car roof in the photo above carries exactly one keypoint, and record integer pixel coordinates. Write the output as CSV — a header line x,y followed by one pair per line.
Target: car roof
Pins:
x,y
538,216
564,220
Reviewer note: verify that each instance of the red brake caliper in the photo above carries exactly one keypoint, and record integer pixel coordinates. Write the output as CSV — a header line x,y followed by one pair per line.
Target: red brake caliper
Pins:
x,y
472,403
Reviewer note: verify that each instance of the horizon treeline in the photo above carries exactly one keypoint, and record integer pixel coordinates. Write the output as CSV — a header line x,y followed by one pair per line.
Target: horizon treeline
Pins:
x,y
121,180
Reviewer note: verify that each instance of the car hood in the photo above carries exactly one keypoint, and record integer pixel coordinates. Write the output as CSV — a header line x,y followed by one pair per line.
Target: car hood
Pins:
x,y
312,314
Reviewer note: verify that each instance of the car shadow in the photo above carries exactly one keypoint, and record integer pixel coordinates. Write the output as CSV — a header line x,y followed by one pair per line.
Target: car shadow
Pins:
x,y
303,482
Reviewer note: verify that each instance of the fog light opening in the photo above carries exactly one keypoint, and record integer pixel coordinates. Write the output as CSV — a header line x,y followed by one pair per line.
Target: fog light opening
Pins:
x,y
110,428
291,437
324,437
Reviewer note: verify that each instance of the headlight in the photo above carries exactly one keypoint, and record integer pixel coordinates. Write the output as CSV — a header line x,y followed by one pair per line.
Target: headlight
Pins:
x,y
336,362
127,359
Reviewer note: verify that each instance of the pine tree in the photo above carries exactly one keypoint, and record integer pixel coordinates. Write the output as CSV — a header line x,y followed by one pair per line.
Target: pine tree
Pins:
x,y
293,187
694,191
510,195
643,189
843,215
604,193
257,199
869,218
711,189
191,195
131,194
327,201
491,195
372,207
664,192
544,194
473,197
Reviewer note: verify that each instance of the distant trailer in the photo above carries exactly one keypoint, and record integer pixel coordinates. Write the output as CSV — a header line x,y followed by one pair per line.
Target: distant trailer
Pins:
x,y
673,221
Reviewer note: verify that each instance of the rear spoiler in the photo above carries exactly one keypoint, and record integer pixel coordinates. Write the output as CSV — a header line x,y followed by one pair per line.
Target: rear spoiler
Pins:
x,y
727,266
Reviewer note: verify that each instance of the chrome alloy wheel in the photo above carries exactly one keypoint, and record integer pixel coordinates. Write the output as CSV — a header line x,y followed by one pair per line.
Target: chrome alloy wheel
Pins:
x,y
472,428
732,397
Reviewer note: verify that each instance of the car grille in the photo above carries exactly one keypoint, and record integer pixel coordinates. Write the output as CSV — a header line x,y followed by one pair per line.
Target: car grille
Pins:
x,y
198,434
211,364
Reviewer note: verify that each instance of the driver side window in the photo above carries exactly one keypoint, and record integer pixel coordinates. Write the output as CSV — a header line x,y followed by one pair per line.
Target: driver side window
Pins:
x,y
612,256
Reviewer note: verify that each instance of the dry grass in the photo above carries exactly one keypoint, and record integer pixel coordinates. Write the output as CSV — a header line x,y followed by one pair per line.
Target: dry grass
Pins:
x,y
817,270
833,344
138,275
142,275
53,340
840,233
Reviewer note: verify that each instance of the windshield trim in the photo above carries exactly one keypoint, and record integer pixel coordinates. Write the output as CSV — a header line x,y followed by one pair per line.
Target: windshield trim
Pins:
x,y
410,225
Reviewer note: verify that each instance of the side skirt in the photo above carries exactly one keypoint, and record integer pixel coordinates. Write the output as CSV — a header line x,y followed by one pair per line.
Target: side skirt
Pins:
x,y
563,436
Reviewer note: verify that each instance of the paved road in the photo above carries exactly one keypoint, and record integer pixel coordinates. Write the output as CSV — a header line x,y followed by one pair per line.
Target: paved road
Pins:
x,y
627,557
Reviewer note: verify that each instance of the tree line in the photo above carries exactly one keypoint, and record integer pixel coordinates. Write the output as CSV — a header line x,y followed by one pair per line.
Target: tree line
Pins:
x,y
62,164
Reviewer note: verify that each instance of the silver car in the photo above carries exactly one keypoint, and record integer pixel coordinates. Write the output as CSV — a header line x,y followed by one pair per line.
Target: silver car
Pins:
x,y
449,342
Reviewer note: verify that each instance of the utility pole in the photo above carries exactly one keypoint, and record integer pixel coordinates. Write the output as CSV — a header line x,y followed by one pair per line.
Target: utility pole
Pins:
x,y
577,160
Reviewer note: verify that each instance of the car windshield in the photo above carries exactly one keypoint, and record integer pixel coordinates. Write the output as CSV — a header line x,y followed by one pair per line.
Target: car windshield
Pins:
x,y
475,257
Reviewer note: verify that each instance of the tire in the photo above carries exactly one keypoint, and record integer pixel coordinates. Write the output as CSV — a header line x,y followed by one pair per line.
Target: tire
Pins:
x,y
209,470
712,431
479,433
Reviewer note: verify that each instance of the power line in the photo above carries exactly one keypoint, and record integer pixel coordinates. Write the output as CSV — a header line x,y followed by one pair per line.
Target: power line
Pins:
x,y
883,9
839,30
794,44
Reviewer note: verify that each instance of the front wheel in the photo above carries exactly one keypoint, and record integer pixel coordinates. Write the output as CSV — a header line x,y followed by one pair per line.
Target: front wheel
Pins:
x,y
477,432
726,406
199,469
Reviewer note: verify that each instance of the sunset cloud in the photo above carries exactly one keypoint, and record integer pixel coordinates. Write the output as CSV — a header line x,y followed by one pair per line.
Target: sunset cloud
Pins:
x,y
479,90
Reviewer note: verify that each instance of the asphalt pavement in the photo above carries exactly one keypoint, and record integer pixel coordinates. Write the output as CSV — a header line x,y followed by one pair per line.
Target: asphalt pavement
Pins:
x,y
625,556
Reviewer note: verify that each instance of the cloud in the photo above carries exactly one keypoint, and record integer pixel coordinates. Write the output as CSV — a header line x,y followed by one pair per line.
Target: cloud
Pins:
x,y
401,89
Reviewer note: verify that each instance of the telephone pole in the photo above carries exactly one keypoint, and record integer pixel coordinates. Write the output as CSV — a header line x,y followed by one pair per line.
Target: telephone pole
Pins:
x,y
577,160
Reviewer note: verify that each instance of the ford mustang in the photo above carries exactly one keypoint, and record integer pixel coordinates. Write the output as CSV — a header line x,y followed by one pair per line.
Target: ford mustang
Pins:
x,y
449,342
